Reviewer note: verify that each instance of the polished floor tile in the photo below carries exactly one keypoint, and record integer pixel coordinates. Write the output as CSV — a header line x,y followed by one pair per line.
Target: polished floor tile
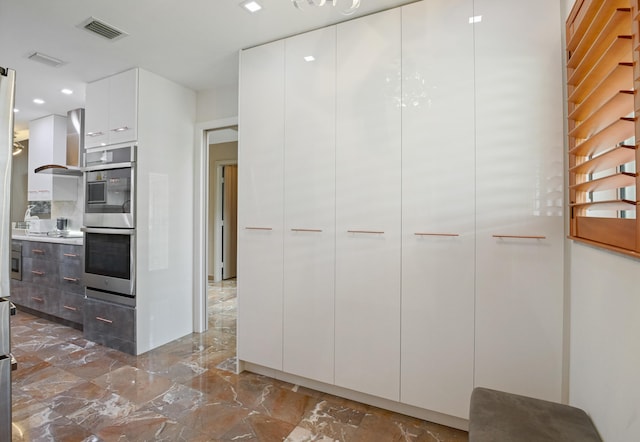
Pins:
x,y
69,389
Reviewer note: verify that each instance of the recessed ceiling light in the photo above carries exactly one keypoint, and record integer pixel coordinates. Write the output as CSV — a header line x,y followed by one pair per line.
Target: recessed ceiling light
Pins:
x,y
46,59
251,5
38,101
67,91
475,19
16,110
309,58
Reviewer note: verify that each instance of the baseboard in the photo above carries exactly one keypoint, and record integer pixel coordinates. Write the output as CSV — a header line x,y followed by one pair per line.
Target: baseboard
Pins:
x,y
397,407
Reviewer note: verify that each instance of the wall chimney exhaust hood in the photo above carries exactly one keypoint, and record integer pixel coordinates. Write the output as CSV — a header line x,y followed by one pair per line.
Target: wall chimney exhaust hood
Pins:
x,y
75,145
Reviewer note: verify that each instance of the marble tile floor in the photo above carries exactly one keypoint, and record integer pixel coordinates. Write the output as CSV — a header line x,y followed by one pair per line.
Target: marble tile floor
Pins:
x,y
69,389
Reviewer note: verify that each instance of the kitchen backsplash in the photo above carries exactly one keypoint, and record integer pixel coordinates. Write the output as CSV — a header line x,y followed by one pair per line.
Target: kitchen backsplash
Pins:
x,y
61,209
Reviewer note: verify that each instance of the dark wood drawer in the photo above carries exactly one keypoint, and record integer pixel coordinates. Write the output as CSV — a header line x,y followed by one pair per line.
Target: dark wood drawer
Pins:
x,y
70,277
41,272
68,253
110,324
71,307
43,299
38,250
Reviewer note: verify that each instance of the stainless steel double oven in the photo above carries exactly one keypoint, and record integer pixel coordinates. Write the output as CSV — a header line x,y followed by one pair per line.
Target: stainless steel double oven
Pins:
x,y
109,224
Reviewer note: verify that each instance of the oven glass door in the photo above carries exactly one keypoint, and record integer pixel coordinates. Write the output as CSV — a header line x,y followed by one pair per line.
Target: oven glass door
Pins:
x,y
108,255
109,191
109,260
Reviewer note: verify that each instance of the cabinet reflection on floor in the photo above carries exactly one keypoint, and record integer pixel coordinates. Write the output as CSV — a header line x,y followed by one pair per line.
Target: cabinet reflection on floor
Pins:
x,y
67,388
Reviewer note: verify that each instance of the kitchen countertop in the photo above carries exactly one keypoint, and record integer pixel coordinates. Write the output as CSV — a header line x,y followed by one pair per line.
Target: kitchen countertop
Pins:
x,y
75,238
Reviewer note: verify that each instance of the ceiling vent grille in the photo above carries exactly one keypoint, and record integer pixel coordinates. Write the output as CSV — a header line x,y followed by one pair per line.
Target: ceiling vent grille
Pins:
x,y
102,29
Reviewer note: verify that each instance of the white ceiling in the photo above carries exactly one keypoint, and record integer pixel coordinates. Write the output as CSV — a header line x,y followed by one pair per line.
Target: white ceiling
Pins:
x,y
193,42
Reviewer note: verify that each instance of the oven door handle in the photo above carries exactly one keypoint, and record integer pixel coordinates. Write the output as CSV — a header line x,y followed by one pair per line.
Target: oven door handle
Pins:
x,y
108,166
109,231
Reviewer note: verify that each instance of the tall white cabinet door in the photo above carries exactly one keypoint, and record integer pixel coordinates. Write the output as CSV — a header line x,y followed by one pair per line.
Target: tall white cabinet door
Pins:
x,y
519,291
260,205
97,114
438,206
123,107
309,194
368,161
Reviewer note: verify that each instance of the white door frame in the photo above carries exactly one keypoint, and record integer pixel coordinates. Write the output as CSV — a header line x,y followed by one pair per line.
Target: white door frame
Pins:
x,y
201,208
217,253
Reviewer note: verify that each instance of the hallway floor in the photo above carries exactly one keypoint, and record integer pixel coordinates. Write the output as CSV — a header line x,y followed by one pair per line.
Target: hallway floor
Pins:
x,y
69,389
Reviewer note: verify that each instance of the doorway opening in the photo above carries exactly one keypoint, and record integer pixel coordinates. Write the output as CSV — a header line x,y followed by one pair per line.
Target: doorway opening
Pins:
x,y
223,204
210,135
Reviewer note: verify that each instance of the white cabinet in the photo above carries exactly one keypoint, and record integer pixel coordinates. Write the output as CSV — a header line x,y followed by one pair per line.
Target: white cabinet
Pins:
x,y
47,145
112,110
260,206
519,142
438,206
368,175
309,205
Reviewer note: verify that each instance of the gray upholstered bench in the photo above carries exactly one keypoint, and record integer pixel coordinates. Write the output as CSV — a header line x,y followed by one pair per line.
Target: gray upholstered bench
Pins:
x,y
496,416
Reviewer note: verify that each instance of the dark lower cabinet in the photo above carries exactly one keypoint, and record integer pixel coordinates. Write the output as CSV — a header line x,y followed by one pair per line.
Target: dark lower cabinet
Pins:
x,y
51,281
109,324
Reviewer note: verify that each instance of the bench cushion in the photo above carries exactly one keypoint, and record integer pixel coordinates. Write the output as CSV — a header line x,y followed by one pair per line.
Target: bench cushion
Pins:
x,y
498,416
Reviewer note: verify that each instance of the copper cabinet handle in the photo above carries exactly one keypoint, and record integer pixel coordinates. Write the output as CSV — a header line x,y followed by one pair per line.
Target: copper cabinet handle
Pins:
x,y
73,309
38,251
258,228
436,234
307,230
68,278
371,232
108,321
71,255
521,236
37,299
37,272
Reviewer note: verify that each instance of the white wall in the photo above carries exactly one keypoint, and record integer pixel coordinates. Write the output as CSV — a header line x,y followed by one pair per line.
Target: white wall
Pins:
x,y
605,337
605,340
215,104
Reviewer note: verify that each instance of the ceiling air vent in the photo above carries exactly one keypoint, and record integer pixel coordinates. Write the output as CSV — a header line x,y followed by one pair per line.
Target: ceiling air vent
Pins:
x,y
102,29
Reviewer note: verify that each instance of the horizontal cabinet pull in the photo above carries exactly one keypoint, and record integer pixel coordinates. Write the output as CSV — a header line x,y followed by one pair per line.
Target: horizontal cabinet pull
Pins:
x,y
435,234
120,129
73,309
37,299
71,255
95,134
37,272
307,230
521,236
258,228
108,321
70,279
368,232
38,251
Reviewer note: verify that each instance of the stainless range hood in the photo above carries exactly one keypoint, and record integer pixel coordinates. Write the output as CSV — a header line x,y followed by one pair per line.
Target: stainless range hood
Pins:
x,y
75,145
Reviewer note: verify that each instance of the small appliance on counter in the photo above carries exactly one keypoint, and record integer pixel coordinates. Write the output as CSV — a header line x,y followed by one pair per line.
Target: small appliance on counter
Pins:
x,y
62,224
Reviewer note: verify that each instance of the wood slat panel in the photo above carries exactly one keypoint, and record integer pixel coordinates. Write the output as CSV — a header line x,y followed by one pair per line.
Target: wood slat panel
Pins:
x,y
582,17
607,138
619,155
615,181
613,231
606,205
620,105
607,25
620,74
620,80
618,52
